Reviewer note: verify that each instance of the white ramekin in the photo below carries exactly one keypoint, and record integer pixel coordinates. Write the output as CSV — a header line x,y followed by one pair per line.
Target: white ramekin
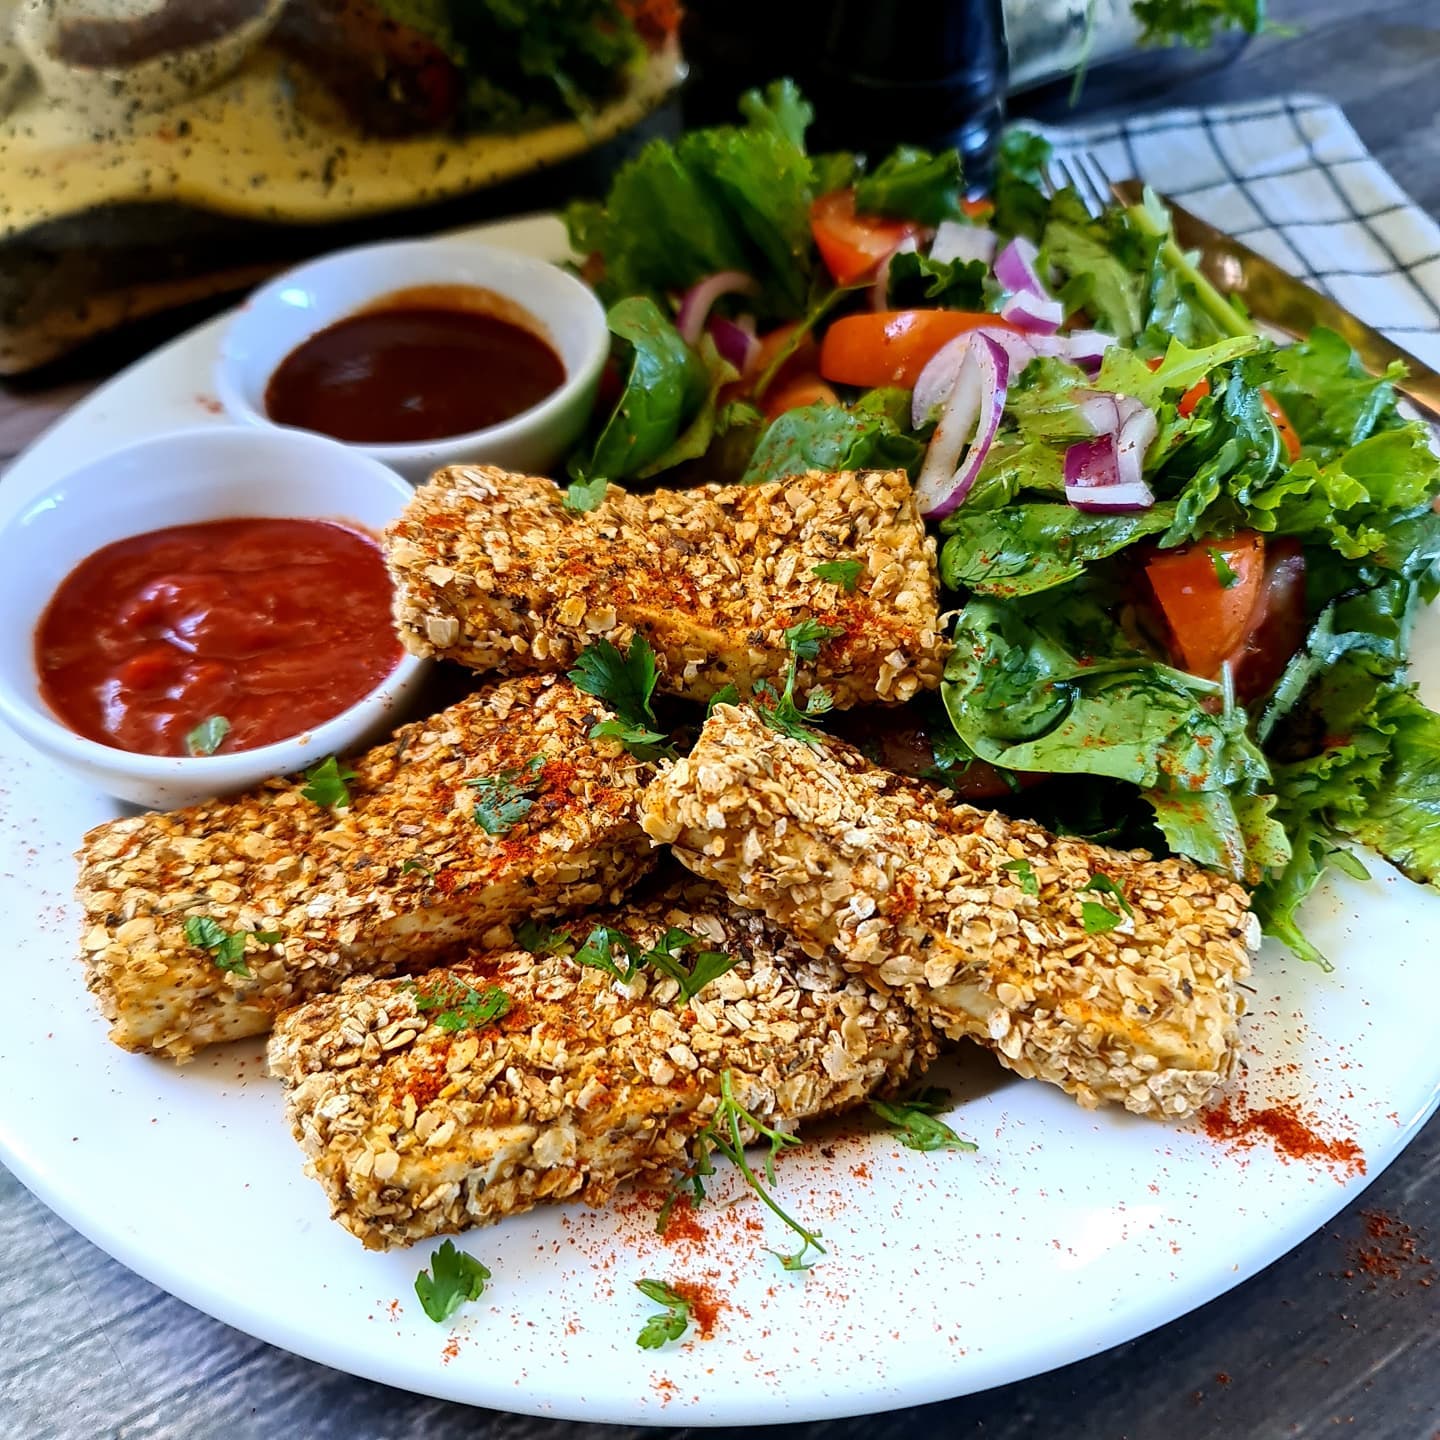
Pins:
x,y
184,478
284,313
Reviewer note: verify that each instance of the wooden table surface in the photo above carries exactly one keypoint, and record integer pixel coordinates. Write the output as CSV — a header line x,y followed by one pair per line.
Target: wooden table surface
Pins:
x,y
1317,1344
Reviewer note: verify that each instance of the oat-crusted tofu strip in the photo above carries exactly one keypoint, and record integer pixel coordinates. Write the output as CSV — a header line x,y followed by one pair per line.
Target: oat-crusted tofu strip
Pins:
x,y
387,883
977,918
415,1130
492,570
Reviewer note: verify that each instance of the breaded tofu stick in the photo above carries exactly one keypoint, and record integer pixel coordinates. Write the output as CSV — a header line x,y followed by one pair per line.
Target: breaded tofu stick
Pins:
x,y
978,919
385,884
415,1129
492,570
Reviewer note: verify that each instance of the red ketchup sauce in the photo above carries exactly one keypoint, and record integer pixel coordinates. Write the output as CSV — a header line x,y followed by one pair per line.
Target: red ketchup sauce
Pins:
x,y
273,626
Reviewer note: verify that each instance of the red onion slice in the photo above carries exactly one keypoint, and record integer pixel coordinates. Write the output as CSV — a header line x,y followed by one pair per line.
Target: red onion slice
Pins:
x,y
1032,314
696,303
1111,499
1138,430
735,341
1091,464
1100,410
1015,268
954,241
1088,347
974,407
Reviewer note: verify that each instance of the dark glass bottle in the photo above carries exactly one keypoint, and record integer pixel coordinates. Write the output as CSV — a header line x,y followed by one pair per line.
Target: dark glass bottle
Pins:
x,y
921,72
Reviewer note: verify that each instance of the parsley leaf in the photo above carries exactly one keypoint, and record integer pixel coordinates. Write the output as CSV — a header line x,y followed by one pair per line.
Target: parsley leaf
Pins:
x,y
1025,876
626,684
540,939
412,866
709,964
671,1323
326,785
461,1006
805,639
727,694
457,1277
796,1261
780,712
207,737
585,495
844,573
1104,885
725,1133
604,946
227,948
505,799
1097,919
599,953
1224,573
915,1123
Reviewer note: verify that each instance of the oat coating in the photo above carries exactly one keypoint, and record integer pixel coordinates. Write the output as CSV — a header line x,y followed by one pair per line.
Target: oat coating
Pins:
x,y
386,884
491,570
585,1083
918,893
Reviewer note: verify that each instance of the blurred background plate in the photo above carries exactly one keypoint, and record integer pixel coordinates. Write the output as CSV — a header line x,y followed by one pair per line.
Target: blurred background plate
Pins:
x,y
258,148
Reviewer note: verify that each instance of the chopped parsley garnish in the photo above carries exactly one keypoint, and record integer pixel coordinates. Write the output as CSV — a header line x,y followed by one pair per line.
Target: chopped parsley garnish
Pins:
x,y
671,1323
604,948
1025,876
1106,886
626,684
226,947
207,737
725,1134
1347,862
540,939
804,640
844,573
460,1005
325,783
583,495
1223,572
505,799
412,867
780,712
727,694
915,1123
453,1278
1097,919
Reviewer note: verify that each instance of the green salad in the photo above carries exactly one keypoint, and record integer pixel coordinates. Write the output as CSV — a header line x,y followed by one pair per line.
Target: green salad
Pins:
x,y
1184,562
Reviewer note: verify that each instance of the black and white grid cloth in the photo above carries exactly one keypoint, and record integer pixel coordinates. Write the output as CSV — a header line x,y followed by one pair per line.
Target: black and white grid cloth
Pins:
x,y
1290,178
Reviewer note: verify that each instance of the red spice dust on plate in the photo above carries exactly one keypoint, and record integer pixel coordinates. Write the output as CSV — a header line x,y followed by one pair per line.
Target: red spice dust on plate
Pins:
x,y
223,636
1286,1129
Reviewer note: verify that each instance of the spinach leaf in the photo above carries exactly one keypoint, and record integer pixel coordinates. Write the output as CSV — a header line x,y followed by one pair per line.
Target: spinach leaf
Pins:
x,y
914,185
665,385
872,434
1028,548
695,440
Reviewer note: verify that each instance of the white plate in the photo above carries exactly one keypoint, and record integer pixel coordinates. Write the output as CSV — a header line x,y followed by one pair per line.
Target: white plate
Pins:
x,y
1067,1233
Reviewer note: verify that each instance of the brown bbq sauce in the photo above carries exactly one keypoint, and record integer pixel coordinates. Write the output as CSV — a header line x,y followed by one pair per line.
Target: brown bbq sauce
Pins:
x,y
423,364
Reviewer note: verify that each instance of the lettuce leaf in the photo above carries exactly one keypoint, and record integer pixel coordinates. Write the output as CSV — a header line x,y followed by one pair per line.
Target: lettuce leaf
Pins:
x,y
913,184
916,281
1024,549
733,197
1331,399
1021,207
870,435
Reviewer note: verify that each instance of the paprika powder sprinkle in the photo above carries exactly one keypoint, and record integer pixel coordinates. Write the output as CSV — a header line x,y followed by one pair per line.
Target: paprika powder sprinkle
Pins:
x,y
705,1305
1283,1125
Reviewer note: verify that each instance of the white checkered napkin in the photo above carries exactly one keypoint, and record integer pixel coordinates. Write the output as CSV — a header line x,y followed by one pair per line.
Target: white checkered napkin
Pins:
x,y
1290,178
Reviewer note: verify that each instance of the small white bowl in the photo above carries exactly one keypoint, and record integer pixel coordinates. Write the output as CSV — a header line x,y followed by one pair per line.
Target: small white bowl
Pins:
x,y
185,478
290,309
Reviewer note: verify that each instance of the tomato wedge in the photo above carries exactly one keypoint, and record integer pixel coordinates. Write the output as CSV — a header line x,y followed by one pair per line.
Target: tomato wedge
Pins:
x,y
892,347
802,390
1208,616
852,245
1276,628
